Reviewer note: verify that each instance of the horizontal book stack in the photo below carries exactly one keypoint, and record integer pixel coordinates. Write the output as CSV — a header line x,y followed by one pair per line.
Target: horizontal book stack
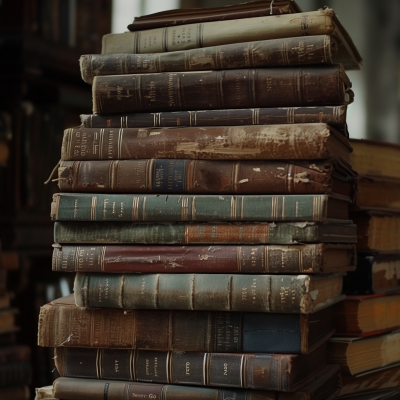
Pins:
x,y
204,207
367,321
15,359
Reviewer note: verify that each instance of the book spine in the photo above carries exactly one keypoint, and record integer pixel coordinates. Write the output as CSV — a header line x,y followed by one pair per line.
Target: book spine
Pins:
x,y
190,36
15,374
112,233
195,176
187,368
335,116
325,85
173,330
215,292
263,142
265,53
176,208
183,259
90,389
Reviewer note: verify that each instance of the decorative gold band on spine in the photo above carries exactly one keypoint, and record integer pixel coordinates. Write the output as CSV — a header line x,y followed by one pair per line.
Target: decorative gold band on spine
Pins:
x,y
93,206
290,115
76,260
131,362
274,207
239,259
301,264
168,366
233,207
120,141
283,207
242,369
101,140
266,259
185,208
206,369
285,53
317,208
135,208
102,257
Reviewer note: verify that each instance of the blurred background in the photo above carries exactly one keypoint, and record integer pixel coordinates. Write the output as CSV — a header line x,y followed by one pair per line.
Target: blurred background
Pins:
x,y
42,94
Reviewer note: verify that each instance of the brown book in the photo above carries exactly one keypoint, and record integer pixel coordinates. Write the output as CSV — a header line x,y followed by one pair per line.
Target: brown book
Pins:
x,y
250,371
375,273
367,198
375,159
214,33
324,85
62,323
261,142
384,378
207,176
331,115
325,387
182,16
303,294
14,354
310,258
304,50
367,315
378,231
357,355
7,320
9,260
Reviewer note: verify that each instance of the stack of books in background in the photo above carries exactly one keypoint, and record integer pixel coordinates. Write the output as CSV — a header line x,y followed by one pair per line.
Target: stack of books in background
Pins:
x,y
368,340
15,366
206,213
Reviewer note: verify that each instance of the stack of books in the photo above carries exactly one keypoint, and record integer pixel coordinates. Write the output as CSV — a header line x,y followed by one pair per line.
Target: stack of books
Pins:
x,y
15,365
367,322
205,208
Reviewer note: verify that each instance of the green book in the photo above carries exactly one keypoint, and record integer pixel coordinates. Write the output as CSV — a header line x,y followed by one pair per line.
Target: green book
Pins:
x,y
204,208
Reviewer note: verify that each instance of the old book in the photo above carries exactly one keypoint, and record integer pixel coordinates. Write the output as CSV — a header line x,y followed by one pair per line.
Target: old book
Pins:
x,y
303,294
325,387
367,198
214,33
14,354
375,273
376,159
356,355
62,323
205,208
367,315
321,85
304,50
384,378
310,258
281,372
331,115
261,142
184,16
241,233
378,231
207,176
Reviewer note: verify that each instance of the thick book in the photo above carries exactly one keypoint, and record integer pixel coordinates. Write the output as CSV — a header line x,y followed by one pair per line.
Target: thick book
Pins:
x,y
205,14
202,208
357,355
375,273
368,187
325,387
376,159
331,115
281,372
367,315
302,258
305,50
261,142
62,323
302,294
214,33
321,85
377,230
240,233
381,379
207,176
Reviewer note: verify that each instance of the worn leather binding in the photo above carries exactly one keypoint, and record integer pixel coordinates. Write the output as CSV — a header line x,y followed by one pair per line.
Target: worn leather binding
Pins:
x,y
184,16
311,258
202,208
190,36
240,233
261,142
331,115
302,294
324,85
62,323
265,53
325,387
207,176
284,373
